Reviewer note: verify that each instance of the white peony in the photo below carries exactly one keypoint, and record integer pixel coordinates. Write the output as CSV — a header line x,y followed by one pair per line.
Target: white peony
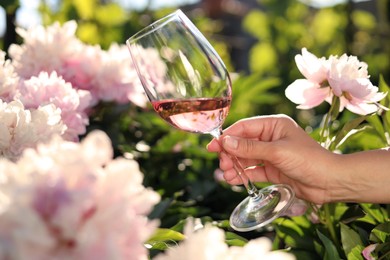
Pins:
x,y
208,243
8,78
69,200
21,128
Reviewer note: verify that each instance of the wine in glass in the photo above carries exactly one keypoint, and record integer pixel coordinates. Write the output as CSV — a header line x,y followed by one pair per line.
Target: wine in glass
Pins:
x,y
189,87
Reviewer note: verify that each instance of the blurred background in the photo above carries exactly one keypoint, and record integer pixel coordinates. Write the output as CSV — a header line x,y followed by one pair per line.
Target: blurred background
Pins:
x,y
257,39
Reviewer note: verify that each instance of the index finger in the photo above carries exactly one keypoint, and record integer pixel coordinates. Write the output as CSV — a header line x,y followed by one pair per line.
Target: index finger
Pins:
x,y
258,127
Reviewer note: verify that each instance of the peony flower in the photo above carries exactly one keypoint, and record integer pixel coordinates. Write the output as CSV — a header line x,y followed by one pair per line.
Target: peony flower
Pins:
x,y
45,48
345,77
108,75
208,242
8,78
82,69
69,200
349,80
309,92
21,128
52,89
117,72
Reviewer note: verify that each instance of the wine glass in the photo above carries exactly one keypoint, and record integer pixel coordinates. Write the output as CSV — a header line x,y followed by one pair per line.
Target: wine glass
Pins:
x,y
189,87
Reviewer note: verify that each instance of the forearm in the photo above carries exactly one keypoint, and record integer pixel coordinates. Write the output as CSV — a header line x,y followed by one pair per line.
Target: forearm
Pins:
x,y
361,177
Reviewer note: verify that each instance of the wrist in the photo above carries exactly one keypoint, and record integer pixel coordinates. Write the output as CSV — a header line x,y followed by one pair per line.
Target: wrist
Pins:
x,y
360,177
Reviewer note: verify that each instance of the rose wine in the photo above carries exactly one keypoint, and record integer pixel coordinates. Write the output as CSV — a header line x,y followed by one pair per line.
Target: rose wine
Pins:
x,y
200,115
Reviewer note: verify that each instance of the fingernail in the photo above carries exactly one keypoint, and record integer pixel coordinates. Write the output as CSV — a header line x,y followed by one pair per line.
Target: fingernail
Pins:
x,y
230,142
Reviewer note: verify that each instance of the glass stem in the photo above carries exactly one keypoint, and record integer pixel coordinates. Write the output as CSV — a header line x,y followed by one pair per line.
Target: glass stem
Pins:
x,y
249,186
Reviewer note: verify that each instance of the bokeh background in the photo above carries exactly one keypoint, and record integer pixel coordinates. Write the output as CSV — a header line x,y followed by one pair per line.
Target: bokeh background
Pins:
x,y
257,39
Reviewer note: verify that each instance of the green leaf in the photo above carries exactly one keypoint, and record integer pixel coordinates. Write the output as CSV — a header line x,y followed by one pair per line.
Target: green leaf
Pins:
x,y
162,238
384,87
355,254
294,235
377,125
375,211
330,249
353,212
381,233
348,129
351,241
233,239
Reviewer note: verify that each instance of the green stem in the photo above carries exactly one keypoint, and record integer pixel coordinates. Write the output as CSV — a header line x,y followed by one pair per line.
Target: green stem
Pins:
x,y
332,113
326,138
329,225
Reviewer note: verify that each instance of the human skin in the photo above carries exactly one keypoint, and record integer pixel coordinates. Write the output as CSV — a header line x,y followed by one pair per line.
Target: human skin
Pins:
x,y
275,149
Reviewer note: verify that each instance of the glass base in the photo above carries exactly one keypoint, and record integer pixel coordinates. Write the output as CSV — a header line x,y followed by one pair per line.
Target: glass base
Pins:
x,y
255,212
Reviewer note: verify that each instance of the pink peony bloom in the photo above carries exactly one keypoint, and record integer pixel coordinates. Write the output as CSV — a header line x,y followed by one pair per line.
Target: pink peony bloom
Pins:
x,y
117,79
208,242
52,89
69,200
82,69
349,80
309,92
8,78
108,75
21,128
345,77
45,48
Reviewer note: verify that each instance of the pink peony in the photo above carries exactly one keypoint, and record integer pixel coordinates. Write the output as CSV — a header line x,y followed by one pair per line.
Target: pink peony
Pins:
x,y
108,75
52,89
8,78
349,80
345,77
117,79
69,200
21,128
82,69
309,92
45,48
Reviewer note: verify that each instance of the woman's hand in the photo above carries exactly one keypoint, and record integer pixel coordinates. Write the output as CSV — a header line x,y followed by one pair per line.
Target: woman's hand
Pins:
x,y
275,149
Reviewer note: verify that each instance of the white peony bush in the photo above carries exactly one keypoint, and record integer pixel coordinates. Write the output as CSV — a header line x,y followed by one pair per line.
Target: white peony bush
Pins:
x,y
69,200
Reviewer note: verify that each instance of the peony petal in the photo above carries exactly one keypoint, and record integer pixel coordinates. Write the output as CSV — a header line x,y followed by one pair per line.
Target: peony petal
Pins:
x,y
311,67
368,250
306,94
362,108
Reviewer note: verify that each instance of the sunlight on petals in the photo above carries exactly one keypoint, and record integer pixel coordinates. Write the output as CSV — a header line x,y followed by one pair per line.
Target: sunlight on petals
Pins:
x,y
306,93
311,67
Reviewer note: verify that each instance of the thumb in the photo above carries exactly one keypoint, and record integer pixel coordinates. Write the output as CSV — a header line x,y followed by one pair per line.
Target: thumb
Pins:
x,y
244,148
